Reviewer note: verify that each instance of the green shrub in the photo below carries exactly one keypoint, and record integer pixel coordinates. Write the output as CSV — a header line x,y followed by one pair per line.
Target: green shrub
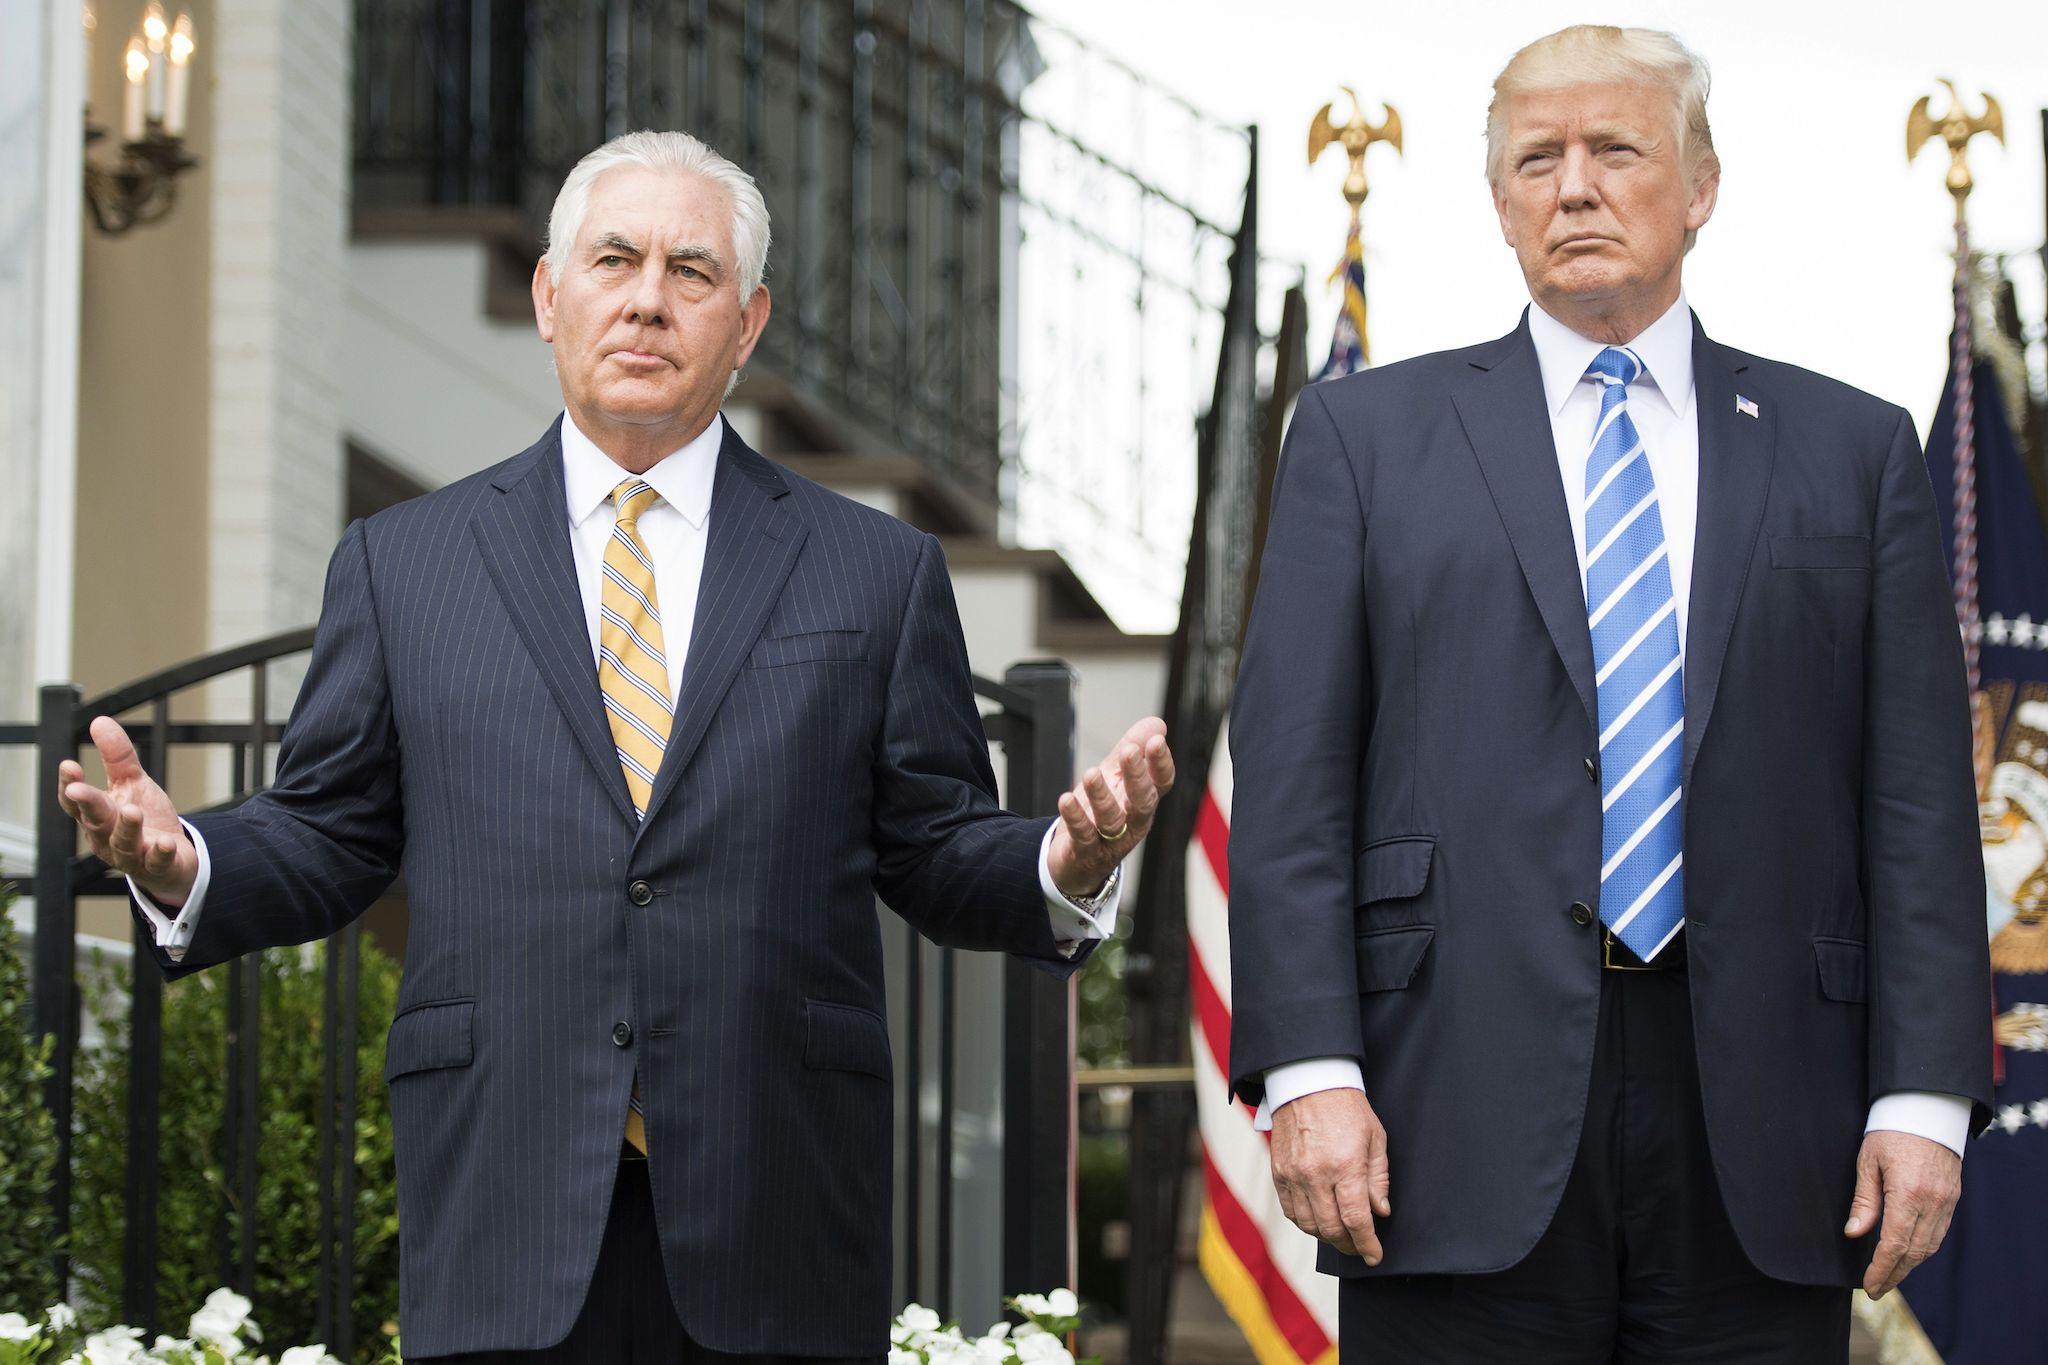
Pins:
x,y
196,1206
28,1142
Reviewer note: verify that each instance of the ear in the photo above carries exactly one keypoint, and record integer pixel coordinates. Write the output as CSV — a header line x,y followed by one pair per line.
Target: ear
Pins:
x,y
753,322
1704,196
544,300
1500,209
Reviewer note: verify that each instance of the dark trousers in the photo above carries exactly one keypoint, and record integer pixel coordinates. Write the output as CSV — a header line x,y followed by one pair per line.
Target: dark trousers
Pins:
x,y
1639,1263
628,1318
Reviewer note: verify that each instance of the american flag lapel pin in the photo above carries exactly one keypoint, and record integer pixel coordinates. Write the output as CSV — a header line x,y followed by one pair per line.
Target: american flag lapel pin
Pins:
x,y
1745,406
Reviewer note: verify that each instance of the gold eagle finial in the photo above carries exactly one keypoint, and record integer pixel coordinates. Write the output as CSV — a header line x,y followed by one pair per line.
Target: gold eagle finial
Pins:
x,y
1955,128
1355,135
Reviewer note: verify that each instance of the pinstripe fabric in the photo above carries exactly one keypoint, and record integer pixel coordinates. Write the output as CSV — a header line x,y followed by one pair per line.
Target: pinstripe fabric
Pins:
x,y
826,748
632,674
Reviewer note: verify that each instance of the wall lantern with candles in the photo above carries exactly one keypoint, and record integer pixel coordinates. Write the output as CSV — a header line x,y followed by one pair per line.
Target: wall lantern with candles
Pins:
x,y
156,70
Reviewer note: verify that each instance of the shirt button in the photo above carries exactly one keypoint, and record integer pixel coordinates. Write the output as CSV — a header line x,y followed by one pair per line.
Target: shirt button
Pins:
x,y
640,893
1592,768
622,1033
1582,913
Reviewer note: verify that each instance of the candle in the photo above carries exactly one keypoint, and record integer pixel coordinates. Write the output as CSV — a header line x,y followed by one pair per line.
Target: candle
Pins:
x,y
181,64
136,62
156,32
92,24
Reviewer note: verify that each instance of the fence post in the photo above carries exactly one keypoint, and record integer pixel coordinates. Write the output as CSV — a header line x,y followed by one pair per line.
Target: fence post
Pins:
x,y
1038,1025
55,983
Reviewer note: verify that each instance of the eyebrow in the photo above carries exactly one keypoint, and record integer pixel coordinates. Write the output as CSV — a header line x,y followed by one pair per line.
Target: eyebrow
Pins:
x,y
613,241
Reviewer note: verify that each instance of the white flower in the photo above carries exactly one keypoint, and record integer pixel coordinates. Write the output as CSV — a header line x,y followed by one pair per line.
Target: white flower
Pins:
x,y
1028,1329
1043,1346
917,1318
14,1327
897,1356
61,1317
1033,1305
224,1317
171,1343
1063,1304
305,1355
998,1332
115,1346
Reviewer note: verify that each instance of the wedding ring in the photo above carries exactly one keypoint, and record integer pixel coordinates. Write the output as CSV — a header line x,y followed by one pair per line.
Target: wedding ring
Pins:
x,y
1109,837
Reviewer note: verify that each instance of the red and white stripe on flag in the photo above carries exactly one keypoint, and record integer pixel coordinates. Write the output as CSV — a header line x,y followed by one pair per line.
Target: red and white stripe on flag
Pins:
x,y
1261,1267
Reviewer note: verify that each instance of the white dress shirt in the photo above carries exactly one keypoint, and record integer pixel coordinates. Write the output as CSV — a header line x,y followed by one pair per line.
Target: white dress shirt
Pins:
x,y
674,529
1663,405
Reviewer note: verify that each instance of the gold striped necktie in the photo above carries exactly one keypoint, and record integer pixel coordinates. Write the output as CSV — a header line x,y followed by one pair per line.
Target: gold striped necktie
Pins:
x,y
632,673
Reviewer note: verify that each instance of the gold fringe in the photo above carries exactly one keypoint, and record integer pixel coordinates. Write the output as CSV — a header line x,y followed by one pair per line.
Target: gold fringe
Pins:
x,y
2021,947
1900,1340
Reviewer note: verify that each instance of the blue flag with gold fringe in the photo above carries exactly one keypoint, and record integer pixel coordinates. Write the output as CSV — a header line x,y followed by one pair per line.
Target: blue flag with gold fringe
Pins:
x,y
1348,348
1981,1298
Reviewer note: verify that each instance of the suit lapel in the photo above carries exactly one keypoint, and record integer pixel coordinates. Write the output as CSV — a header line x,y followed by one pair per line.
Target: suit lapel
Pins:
x,y
1736,455
752,548
1507,420
524,538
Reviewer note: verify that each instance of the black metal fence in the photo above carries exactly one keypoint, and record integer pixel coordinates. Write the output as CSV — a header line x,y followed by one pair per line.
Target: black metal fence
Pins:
x,y
872,129
996,247
1032,722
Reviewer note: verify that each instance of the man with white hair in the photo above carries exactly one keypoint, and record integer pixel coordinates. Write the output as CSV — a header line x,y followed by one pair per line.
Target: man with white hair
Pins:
x,y
1605,888
650,722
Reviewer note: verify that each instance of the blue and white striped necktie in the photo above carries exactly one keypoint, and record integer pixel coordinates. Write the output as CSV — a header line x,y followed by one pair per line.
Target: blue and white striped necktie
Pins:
x,y
1634,621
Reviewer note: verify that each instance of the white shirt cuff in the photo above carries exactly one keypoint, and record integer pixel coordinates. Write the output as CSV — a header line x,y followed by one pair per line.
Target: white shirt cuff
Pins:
x,y
174,936
1285,1084
1923,1113
1073,925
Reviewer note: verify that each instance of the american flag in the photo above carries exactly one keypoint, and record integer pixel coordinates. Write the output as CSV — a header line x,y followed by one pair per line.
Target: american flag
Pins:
x,y
1260,1266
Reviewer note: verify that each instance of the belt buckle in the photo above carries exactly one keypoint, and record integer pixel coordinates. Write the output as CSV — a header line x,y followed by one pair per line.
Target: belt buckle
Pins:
x,y
1607,962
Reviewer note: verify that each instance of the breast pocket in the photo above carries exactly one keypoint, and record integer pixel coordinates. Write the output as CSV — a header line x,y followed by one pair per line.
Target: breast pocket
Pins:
x,y
811,646
1844,553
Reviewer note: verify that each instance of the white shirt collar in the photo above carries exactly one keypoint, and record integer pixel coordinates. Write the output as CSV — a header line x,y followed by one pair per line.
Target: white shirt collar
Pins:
x,y
1665,348
683,477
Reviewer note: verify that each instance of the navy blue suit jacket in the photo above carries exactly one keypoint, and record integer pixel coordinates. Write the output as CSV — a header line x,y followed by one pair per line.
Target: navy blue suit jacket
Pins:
x,y
826,749
1413,733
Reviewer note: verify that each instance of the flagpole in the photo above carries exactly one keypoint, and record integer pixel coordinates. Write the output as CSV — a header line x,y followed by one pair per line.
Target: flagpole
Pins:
x,y
1956,128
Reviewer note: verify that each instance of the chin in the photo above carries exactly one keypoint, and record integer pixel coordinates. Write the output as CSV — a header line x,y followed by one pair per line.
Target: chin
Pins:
x,y
639,398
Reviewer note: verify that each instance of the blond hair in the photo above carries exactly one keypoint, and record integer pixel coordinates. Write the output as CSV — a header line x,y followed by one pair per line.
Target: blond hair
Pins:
x,y
1601,54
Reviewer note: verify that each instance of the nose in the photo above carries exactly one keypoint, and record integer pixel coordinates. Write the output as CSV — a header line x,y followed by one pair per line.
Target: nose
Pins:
x,y
645,304
1577,183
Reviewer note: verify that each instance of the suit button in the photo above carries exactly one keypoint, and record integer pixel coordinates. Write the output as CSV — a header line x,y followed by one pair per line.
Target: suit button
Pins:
x,y
622,1033
1582,913
1592,768
640,893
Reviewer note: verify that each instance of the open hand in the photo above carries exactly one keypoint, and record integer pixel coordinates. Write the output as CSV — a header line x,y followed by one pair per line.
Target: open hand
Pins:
x,y
1914,1182
1109,810
132,826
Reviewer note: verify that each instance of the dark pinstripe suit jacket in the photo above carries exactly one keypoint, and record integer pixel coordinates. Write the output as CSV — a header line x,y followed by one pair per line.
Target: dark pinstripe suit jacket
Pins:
x,y
826,748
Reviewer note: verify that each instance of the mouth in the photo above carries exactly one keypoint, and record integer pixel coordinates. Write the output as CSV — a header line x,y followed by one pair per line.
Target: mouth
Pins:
x,y
1585,239
631,357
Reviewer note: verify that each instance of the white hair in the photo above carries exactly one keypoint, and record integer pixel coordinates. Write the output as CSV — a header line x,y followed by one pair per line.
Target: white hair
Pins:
x,y
1601,54
671,153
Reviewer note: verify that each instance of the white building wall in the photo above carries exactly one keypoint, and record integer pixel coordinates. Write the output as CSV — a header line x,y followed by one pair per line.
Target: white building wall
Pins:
x,y
431,383
280,175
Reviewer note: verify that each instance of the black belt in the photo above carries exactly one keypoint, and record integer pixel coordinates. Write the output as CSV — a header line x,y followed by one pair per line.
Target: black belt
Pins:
x,y
1616,956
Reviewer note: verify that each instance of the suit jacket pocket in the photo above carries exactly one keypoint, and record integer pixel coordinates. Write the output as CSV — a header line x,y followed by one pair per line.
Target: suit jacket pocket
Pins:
x,y
1393,869
1820,552
812,646
845,1038
1388,958
1841,970
429,1036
